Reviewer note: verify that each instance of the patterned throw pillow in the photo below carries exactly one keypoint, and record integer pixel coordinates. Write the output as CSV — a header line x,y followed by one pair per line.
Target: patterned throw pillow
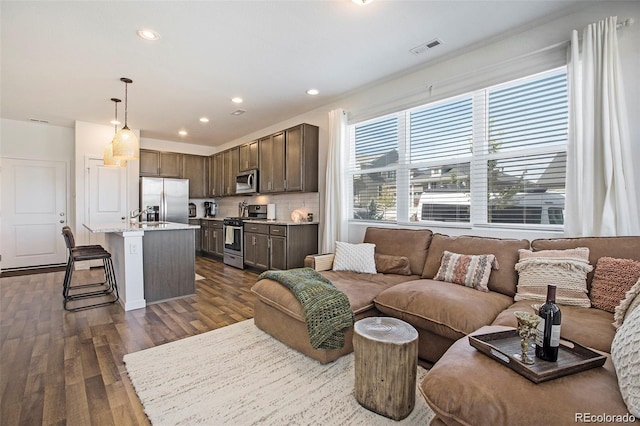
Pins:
x,y
566,269
611,281
355,258
624,356
467,270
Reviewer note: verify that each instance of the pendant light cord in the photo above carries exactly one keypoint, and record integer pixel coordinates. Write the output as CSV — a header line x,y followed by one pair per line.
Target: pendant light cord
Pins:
x,y
126,101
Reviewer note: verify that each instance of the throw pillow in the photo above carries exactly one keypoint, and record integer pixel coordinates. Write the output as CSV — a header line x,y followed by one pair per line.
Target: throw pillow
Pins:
x,y
388,264
465,269
611,280
566,269
355,257
630,302
624,356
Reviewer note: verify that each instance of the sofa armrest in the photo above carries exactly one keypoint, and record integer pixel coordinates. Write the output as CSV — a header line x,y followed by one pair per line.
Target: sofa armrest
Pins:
x,y
319,262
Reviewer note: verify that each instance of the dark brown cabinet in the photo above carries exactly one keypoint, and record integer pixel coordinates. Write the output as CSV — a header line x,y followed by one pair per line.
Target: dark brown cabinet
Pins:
x,y
216,175
162,164
249,156
256,246
272,174
278,246
195,169
212,237
230,170
289,160
301,164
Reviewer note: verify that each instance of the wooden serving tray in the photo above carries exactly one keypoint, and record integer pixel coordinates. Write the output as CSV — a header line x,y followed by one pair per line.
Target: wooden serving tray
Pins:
x,y
572,357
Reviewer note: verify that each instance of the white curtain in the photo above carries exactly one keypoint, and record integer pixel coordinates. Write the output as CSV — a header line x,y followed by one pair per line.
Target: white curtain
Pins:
x,y
336,201
600,194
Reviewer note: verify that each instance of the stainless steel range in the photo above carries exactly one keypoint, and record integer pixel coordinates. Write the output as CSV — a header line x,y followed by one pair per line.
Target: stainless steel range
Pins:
x,y
234,234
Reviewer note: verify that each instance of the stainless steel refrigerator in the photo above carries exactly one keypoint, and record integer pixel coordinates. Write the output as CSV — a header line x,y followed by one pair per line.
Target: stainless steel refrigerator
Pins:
x,y
170,197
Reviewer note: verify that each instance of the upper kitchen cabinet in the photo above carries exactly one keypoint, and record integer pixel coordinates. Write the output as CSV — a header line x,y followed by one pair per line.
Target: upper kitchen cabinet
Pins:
x,y
289,160
301,158
194,168
230,170
216,175
164,164
149,163
272,173
249,156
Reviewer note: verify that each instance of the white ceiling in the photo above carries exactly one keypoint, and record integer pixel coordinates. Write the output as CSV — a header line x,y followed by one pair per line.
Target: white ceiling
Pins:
x,y
62,61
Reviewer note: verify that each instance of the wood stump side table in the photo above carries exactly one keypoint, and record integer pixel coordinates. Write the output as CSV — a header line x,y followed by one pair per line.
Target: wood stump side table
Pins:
x,y
385,359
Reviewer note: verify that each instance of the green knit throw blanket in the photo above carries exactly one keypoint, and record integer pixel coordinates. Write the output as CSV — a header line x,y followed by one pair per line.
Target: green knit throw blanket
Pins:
x,y
327,310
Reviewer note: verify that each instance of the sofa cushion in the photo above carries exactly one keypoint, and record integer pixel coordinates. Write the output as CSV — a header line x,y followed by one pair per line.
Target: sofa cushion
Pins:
x,y
620,247
355,258
611,281
624,354
466,269
467,387
449,310
588,326
412,243
567,269
359,288
503,280
389,264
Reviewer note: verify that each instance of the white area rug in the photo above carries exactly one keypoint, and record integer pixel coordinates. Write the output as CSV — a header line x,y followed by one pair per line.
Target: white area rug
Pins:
x,y
239,375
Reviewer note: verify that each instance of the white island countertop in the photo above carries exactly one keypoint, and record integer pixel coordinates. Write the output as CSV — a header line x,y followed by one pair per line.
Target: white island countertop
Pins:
x,y
139,226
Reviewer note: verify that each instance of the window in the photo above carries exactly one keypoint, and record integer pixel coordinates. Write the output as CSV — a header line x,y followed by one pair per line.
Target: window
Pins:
x,y
496,156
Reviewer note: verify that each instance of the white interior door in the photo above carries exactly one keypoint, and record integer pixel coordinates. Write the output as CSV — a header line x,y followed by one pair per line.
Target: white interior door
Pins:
x,y
107,196
34,210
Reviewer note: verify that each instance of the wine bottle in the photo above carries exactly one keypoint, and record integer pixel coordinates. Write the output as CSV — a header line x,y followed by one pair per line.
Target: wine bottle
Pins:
x,y
548,337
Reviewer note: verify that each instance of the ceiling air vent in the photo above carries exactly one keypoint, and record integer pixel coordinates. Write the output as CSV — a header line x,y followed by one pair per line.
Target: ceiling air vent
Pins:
x,y
37,120
425,46
239,112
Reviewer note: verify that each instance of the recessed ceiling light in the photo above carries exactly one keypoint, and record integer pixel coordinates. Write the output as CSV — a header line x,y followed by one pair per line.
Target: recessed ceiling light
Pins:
x,y
204,120
149,35
115,122
362,2
238,112
312,92
236,100
182,133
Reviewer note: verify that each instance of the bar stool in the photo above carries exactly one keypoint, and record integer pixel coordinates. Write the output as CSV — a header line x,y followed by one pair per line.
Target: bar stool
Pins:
x,y
106,288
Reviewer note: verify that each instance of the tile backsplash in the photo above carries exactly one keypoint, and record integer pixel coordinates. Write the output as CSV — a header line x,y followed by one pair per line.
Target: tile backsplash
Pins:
x,y
306,202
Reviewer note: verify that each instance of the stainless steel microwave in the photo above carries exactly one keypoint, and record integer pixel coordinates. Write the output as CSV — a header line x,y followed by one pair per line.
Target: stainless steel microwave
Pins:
x,y
247,182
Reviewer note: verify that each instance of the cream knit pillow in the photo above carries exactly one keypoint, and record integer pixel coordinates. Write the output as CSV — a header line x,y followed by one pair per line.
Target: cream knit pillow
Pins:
x,y
625,355
355,258
566,269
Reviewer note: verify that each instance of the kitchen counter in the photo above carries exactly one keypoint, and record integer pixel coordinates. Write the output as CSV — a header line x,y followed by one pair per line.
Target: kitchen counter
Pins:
x,y
139,226
165,271
264,221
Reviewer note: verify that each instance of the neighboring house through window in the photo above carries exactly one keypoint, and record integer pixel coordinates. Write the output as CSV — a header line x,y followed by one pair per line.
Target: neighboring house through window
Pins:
x,y
496,156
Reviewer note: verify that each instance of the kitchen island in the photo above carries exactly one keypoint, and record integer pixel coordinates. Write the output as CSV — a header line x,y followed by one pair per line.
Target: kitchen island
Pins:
x,y
153,261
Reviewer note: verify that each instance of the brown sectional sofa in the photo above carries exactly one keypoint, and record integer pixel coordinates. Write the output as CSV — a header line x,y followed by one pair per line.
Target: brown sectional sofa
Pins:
x,y
464,386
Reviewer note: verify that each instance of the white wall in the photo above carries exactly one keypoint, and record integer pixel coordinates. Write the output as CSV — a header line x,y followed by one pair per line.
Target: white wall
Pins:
x,y
172,146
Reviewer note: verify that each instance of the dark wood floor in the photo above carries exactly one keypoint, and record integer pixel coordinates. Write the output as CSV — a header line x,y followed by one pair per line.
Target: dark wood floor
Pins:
x,y
58,367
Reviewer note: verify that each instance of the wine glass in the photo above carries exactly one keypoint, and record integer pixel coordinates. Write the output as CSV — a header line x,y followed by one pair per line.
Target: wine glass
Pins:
x,y
527,330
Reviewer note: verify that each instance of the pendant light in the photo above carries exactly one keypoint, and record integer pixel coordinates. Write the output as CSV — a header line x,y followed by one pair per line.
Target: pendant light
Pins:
x,y
125,143
109,161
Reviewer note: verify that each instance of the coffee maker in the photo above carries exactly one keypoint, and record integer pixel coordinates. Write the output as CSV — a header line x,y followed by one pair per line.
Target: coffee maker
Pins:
x,y
210,209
